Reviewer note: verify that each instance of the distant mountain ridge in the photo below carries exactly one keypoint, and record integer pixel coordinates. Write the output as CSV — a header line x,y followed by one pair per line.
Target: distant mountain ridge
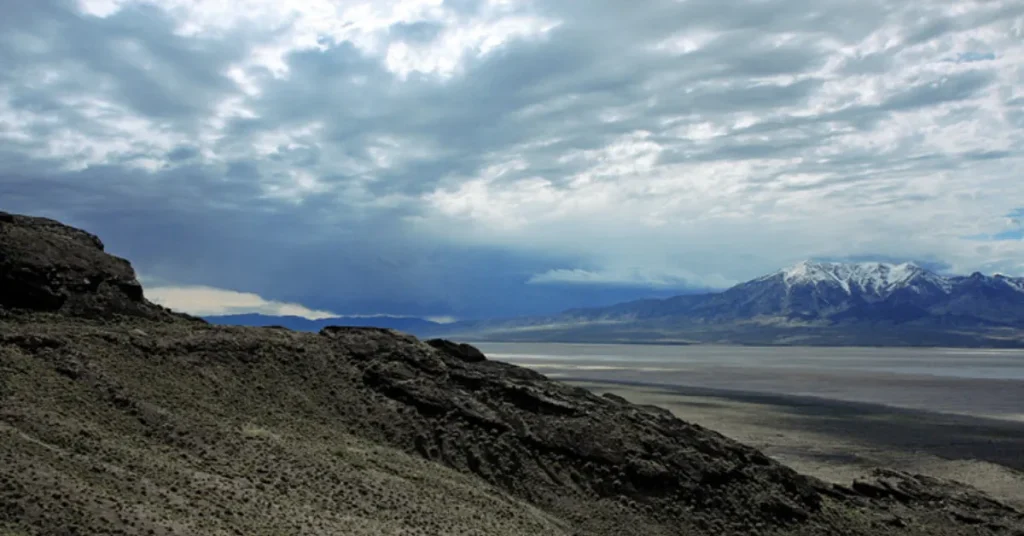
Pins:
x,y
411,325
810,302
814,303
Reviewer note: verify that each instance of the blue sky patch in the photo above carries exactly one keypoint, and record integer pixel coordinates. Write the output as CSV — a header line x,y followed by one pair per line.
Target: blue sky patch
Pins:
x,y
969,57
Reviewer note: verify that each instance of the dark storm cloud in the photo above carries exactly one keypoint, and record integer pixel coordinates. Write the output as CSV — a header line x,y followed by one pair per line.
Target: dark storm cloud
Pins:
x,y
954,88
181,153
133,58
314,187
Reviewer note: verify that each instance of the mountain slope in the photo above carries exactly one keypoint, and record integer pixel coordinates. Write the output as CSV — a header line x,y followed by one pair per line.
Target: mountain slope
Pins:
x,y
122,417
809,303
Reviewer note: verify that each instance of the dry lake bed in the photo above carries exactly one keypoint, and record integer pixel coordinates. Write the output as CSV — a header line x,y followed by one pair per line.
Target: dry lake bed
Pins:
x,y
834,413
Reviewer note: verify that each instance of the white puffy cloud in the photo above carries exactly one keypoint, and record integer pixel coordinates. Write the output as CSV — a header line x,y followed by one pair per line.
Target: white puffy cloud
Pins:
x,y
900,140
370,25
208,301
628,277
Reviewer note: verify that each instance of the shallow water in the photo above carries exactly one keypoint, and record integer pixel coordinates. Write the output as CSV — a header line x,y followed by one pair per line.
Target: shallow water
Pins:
x,y
971,381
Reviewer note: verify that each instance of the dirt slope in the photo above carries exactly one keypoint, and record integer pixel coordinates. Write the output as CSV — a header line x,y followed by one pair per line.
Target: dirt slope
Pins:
x,y
117,416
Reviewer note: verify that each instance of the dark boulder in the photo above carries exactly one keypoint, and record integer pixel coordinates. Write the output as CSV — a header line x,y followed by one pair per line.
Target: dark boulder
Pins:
x,y
460,351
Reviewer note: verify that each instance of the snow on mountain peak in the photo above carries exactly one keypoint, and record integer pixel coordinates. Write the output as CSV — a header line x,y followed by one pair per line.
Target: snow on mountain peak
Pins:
x,y
1016,283
879,279
869,277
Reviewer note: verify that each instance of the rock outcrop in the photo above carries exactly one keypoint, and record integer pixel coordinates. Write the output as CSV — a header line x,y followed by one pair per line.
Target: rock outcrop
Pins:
x,y
117,416
49,267
459,350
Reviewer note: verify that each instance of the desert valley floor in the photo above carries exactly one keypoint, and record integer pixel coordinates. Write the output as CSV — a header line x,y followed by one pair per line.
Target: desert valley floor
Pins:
x,y
834,413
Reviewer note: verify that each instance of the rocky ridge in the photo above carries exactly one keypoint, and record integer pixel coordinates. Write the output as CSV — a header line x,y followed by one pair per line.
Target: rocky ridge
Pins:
x,y
120,417
46,266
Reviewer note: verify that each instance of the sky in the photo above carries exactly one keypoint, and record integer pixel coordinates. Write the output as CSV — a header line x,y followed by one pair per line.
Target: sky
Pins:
x,y
492,158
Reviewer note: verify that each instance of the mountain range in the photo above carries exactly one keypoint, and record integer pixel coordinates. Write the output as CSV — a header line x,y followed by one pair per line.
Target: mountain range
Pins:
x,y
810,303
407,324
814,303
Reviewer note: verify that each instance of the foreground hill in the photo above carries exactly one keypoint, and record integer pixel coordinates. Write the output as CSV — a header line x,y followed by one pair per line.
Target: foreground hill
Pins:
x,y
120,417
810,303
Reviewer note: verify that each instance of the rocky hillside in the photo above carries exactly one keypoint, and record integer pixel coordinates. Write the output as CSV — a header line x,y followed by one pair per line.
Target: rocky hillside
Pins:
x,y
119,417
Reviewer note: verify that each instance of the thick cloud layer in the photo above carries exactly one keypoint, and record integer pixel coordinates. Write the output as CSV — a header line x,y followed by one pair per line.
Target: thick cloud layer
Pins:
x,y
493,157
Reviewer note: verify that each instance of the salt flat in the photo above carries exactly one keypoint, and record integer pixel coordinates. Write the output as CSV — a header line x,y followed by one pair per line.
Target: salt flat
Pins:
x,y
834,413
980,382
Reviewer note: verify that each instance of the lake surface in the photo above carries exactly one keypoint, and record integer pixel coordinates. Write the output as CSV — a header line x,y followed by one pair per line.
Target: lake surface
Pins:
x,y
970,381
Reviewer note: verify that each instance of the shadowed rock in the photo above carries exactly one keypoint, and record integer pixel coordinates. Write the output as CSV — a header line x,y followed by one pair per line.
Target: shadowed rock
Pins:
x,y
46,266
462,351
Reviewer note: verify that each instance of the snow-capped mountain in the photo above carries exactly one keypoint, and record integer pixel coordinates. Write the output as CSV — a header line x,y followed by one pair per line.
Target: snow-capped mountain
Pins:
x,y
889,293
906,303
868,279
829,293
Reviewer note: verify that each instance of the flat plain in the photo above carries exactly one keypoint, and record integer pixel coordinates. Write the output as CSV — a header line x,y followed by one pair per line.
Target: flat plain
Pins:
x,y
834,413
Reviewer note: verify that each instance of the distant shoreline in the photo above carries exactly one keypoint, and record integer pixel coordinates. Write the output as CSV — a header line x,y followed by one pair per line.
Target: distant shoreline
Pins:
x,y
1008,349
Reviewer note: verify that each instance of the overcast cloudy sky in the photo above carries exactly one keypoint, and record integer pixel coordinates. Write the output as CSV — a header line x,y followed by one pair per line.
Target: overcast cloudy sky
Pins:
x,y
476,158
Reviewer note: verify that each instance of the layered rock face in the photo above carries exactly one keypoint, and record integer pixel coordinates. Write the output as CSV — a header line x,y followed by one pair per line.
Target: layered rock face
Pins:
x,y
118,416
